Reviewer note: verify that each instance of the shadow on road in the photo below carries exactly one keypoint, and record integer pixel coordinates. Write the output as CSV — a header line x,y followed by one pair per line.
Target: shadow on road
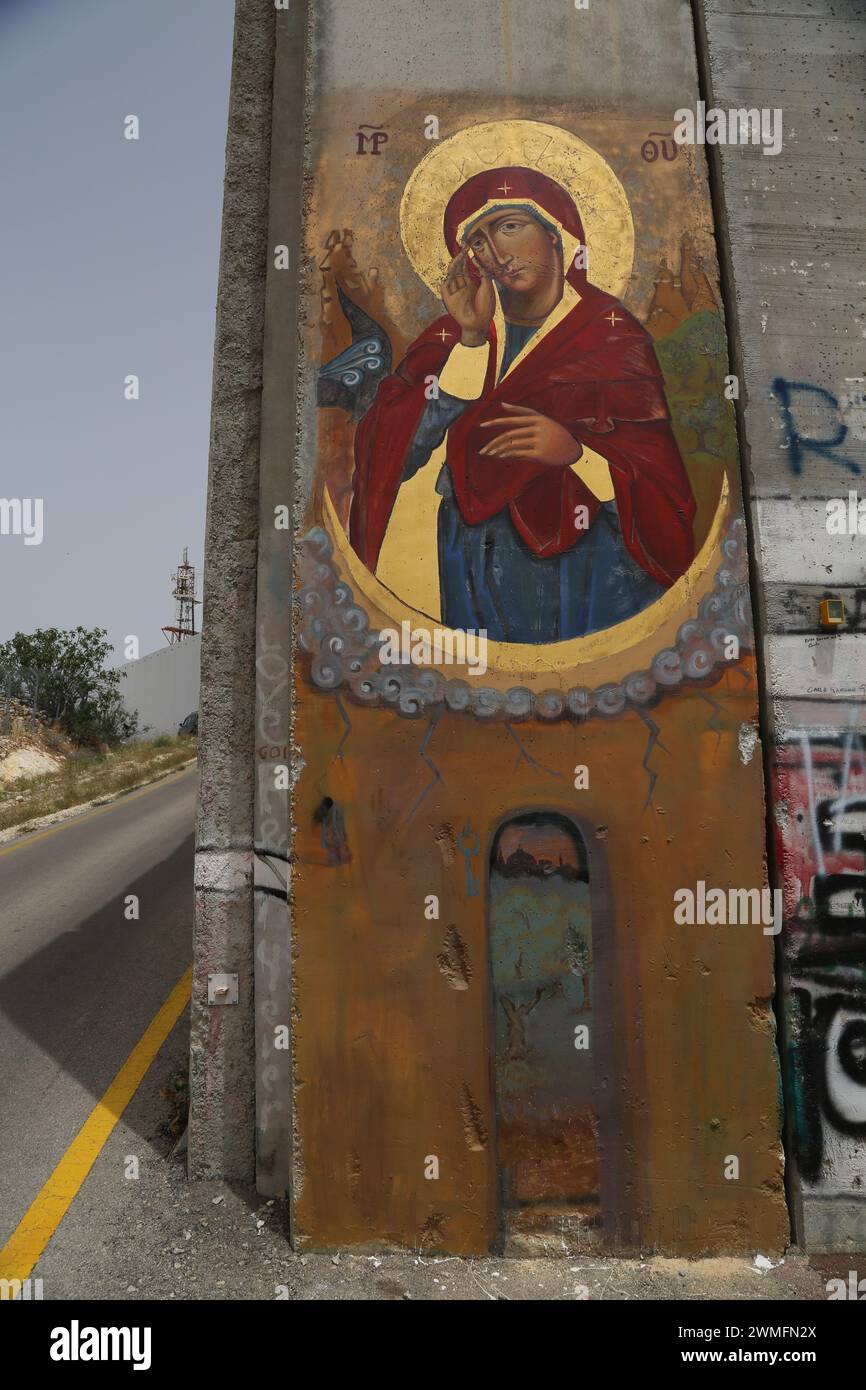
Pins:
x,y
86,999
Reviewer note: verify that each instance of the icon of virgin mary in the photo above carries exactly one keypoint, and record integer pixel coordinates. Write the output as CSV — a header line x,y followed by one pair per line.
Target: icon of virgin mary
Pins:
x,y
563,506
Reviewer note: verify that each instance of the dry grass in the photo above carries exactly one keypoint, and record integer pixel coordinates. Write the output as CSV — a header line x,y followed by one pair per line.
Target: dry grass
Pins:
x,y
89,776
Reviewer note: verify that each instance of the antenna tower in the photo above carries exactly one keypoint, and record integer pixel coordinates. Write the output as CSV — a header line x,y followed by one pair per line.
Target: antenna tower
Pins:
x,y
185,600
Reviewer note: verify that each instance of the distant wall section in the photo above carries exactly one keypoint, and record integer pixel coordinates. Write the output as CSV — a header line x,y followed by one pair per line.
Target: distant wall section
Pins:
x,y
163,686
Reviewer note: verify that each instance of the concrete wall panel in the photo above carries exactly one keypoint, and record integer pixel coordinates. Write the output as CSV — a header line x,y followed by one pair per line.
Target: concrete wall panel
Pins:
x,y
794,223
163,686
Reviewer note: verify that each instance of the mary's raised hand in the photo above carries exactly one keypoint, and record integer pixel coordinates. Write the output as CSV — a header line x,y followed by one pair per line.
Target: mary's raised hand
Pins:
x,y
469,300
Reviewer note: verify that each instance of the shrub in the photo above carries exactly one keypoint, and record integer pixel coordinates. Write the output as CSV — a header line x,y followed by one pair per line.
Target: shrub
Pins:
x,y
63,676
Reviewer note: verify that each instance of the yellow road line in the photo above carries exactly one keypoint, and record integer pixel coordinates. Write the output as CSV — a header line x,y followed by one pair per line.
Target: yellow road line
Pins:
x,y
45,1213
124,800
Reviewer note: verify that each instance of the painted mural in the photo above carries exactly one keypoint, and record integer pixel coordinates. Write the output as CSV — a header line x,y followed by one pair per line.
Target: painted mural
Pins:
x,y
539,536
525,667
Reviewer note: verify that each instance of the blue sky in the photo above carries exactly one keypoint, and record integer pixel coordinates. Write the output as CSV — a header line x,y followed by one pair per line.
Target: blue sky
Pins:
x,y
109,253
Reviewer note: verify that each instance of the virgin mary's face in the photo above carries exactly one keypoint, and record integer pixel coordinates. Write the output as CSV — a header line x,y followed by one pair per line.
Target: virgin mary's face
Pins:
x,y
513,247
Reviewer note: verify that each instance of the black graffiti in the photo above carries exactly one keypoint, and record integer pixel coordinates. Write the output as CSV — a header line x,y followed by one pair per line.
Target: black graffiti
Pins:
x,y
815,1055
851,1049
829,887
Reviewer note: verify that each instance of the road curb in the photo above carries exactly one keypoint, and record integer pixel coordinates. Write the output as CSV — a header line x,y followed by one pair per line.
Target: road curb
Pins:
x,y
14,832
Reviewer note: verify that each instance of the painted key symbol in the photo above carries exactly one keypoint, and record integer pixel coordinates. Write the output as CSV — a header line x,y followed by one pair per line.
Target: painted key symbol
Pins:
x,y
469,845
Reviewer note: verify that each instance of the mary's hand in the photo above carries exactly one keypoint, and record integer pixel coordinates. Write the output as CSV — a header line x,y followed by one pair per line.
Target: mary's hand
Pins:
x,y
532,437
469,300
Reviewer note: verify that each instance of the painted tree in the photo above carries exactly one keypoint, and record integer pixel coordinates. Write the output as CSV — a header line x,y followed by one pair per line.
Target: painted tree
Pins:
x,y
515,1016
579,959
705,418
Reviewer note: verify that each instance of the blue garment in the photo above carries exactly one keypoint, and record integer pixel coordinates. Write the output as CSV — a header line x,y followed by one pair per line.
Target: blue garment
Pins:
x,y
488,576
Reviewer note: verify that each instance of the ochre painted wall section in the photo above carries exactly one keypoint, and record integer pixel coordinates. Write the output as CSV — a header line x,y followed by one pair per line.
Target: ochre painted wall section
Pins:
x,y
388,1052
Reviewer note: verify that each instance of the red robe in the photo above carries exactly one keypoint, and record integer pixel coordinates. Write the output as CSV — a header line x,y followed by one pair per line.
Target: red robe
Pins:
x,y
601,381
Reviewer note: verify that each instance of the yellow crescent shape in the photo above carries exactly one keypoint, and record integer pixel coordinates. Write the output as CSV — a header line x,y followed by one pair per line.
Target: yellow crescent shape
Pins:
x,y
516,657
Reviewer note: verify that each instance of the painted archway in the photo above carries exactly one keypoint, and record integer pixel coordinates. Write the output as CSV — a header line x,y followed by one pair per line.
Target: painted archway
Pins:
x,y
551,1034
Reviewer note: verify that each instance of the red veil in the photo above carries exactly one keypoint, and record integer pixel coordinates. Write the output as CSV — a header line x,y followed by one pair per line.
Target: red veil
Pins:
x,y
595,372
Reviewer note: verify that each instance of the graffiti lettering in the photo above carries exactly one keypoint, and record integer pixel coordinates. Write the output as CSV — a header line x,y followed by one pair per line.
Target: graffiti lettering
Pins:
x,y
799,443
821,777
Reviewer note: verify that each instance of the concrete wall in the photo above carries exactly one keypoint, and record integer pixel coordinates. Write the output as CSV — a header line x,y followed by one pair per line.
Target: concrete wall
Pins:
x,y
795,246
390,1053
163,686
241,1082
222,1050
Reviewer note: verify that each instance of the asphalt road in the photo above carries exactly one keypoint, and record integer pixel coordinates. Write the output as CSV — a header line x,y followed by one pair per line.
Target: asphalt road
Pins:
x,y
79,981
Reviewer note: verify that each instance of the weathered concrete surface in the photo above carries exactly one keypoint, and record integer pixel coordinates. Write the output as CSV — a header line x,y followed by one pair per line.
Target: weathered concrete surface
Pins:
x,y
222,1123
795,232
274,621
606,54
795,223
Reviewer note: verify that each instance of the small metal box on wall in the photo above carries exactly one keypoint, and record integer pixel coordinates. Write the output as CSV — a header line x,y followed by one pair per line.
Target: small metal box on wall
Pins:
x,y
832,612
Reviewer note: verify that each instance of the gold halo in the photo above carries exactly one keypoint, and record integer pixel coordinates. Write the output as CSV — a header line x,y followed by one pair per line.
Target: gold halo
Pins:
x,y
597,192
